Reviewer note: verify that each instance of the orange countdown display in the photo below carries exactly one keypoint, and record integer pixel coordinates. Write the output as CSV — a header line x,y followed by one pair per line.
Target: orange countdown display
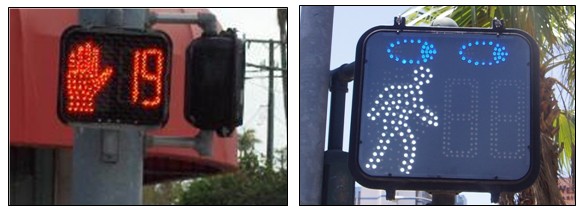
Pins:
x,y
114,76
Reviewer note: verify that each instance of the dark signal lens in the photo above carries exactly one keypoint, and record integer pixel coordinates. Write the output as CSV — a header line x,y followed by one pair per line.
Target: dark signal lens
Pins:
x,y
214,82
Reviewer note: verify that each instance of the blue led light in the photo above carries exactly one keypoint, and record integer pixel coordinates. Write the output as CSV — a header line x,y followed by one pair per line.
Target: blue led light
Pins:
x,y
499,53
427,50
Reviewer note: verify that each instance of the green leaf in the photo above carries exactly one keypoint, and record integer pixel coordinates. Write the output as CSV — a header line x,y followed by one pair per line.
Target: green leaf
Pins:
x,y
566,137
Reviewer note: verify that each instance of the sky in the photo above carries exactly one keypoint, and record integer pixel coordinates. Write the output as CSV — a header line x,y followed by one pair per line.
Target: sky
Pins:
x,y
258,23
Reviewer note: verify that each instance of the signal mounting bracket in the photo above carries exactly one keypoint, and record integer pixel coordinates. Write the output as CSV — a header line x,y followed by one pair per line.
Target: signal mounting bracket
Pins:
x,y
399,22
498,25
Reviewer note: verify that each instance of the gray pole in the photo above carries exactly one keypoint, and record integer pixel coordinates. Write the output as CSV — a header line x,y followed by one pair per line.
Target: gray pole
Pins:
x,y
108,163
271,105
314,54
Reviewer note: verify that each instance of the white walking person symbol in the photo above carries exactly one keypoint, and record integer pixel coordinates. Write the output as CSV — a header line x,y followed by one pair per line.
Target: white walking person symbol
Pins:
x,y
395,107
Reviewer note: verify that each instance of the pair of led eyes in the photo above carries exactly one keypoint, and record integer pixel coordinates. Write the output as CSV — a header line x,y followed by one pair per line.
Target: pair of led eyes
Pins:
x,y
427,52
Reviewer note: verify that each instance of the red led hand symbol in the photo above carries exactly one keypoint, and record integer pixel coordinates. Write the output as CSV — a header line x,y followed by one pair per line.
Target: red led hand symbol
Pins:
x,y
85,77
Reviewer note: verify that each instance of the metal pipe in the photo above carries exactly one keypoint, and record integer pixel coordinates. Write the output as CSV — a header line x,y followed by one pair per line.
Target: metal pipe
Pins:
x,y
314,51
207,21
338,88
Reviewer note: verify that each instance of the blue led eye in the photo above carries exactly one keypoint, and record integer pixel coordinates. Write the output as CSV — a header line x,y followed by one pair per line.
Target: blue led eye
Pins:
x,y
498,54
427,50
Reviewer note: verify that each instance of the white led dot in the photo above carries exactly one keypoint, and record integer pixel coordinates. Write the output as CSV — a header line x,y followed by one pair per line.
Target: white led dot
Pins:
x,y
385,148
389,96
428,70
392,122
430,76
413,155
430,122
415,79
400,122
391,134
423,118
373,118
373,109
420,83
409,167
410,111
405,125
422,75
404,140
374,166
411,136
401,134
417,87
389,109
401,169
368,114
405,155
391,87
383,135
381,153
411,92
380,95
367,165
413,105
405,117
436,117
413,142
398,94
408,130
403,162
436,124
421,107
405,147
371,160
385,89
374,154
411,161
405,87
427,81
393,102
399,87
420,99
396,128
385,127
407,172
397,107
377,160
382,108
413,148
431,114
406,103
419,92
421,68
405,95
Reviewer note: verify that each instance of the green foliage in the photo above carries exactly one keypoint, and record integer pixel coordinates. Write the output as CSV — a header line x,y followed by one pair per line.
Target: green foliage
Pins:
x,y
567,138
253,184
